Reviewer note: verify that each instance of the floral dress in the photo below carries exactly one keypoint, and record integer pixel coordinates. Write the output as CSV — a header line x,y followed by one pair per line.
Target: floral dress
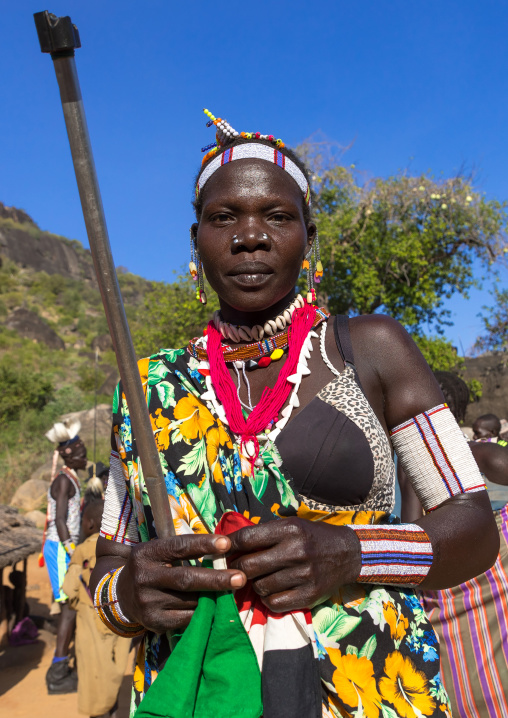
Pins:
x,y
377,654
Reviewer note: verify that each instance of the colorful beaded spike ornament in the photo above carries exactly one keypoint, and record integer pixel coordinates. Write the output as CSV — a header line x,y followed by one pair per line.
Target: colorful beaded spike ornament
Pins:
x,y
226,134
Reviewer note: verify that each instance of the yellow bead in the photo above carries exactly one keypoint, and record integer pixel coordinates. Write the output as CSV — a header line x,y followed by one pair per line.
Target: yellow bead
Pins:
x,y
276,354
319,266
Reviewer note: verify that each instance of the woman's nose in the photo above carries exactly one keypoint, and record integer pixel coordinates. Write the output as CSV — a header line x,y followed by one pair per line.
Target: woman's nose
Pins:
x,y
250,241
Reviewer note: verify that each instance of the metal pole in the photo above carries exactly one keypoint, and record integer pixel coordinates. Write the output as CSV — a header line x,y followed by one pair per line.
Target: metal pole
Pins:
x,y
59,37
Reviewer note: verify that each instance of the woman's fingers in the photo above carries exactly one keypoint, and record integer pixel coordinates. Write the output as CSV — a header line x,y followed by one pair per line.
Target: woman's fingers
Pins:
x,y
280,581
254,538
296,599
186,546
193,578
162,621
261,563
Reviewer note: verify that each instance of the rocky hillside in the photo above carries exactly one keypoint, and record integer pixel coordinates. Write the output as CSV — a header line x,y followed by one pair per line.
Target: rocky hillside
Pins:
x,y
22,242
51,326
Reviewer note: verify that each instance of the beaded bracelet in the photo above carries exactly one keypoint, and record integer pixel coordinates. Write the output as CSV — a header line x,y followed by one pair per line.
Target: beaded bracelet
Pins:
x,y
108,608
69,547
393,554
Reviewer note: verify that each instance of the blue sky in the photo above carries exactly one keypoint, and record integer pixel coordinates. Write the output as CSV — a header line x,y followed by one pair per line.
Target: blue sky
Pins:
x,y
418,85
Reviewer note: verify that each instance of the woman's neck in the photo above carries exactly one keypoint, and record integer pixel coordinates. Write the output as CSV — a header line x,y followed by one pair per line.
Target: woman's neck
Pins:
x,y
234,316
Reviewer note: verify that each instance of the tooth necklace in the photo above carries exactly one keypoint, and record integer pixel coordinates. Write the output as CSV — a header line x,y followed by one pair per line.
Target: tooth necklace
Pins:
x,y
244,333
257,354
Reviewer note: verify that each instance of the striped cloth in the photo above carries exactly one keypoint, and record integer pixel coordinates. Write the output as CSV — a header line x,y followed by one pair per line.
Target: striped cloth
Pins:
x,y
471,621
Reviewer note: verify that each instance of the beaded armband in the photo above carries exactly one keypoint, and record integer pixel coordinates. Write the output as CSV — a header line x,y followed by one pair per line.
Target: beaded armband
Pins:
x,y
393,554
435,456
108,607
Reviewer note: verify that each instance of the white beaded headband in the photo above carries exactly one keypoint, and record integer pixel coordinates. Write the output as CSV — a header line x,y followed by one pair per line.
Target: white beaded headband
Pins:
x,y
249,150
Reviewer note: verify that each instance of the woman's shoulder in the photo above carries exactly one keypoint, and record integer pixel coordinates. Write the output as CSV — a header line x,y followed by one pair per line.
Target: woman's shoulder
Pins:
x,y
375,334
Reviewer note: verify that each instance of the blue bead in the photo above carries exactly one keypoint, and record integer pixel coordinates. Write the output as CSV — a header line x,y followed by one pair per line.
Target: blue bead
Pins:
x,y
208,147
209,124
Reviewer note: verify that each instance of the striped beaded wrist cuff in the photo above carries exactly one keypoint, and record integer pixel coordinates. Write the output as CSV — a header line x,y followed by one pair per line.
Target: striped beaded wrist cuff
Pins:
x,y
394,554
108,608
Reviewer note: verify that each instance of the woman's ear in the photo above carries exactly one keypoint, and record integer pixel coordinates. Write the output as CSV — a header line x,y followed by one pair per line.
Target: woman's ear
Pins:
x,y
311,235
194,231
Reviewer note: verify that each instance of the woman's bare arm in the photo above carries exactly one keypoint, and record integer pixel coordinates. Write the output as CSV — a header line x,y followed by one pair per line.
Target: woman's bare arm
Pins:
x,y
462,529
492,460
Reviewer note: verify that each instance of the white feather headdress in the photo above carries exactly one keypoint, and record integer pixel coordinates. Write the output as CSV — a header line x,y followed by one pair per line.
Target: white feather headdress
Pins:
x,y
63,431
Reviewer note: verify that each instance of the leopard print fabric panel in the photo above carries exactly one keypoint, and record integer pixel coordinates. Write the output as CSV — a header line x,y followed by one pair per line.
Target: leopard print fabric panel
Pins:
x,y
345,395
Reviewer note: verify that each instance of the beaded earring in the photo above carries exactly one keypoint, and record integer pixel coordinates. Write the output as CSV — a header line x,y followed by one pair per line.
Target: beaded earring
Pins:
x,y
196,269
307,268
318,266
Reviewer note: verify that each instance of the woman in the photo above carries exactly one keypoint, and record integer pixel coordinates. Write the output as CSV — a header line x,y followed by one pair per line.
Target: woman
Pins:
x,y
314,452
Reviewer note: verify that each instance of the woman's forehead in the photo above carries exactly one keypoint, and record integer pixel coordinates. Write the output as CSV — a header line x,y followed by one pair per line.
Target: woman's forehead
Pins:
x,y
248,178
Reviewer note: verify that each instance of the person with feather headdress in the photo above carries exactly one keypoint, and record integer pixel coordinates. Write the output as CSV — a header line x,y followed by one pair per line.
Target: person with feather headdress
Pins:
x,y
62,533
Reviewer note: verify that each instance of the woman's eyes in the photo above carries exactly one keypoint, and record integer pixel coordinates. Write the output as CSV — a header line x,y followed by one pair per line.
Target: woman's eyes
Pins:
x,y
224,218
221,217
279,218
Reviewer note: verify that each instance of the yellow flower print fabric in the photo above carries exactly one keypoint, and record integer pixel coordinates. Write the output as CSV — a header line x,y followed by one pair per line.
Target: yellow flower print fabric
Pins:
x,y
377,653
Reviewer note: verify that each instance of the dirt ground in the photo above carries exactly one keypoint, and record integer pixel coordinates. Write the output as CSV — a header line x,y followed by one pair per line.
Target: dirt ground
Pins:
x,y
23,691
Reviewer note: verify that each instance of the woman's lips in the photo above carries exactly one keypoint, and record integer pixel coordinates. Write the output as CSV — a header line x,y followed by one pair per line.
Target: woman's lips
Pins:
x,y
251,278
251,273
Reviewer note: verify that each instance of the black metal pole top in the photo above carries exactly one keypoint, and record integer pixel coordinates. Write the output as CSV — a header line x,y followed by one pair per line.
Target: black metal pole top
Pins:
x,y
57,35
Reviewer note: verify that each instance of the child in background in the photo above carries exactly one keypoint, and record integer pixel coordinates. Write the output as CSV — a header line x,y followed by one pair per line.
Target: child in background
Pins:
x,y
487,428
101,655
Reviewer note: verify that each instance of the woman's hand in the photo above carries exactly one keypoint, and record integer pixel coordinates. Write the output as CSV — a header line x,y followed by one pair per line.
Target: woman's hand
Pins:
x,y
161,596
294,563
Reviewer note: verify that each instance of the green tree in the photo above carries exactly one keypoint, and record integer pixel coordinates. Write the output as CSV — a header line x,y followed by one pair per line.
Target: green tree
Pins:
x,y
171,315
496,324
21,390
401,245
439,353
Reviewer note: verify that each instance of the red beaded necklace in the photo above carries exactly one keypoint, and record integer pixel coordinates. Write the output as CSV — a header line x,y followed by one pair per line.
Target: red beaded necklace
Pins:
x,y
272,400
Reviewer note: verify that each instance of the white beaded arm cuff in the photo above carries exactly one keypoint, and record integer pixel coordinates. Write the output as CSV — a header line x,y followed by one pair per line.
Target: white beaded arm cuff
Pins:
x,y
118,520
393,554
435,457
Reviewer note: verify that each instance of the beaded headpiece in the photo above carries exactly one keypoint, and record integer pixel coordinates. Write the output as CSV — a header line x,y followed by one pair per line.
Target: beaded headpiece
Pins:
x,y
226,133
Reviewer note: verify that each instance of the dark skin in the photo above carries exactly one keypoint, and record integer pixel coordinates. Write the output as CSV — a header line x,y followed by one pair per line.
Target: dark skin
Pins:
x,y
292,563
62,489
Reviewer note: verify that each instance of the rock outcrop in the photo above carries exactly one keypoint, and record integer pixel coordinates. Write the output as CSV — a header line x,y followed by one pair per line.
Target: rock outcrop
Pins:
x,y
38,518
30,326
24,243
31,496
492,370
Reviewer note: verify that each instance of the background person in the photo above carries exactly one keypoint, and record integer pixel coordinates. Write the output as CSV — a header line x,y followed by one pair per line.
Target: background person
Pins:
x,y
101,655
307,471
62,533
487,428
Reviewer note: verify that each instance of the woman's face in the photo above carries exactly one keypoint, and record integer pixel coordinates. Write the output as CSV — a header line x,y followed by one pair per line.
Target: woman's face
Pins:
x,y
252,235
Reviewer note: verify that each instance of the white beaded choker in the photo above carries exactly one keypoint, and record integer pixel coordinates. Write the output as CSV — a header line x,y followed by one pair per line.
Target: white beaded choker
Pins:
x,y
244,333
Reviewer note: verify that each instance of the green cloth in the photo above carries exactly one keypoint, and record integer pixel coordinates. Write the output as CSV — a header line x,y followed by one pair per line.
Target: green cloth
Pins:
x,y
213,671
